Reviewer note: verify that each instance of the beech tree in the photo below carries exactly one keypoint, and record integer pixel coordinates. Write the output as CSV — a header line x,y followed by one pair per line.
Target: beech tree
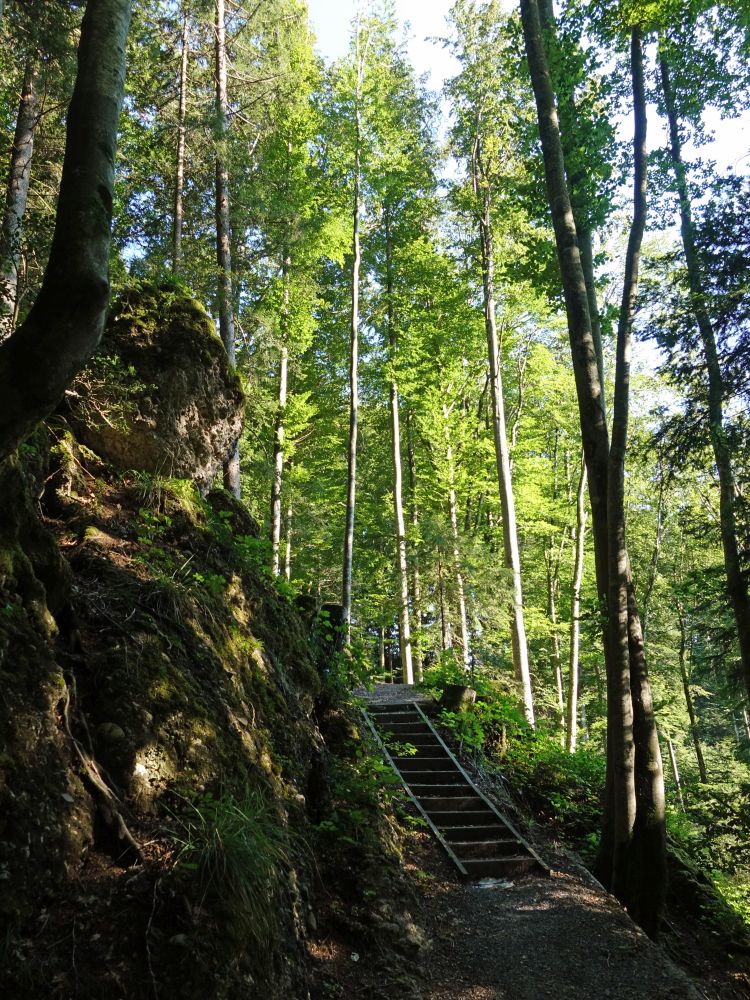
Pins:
x,y
65,324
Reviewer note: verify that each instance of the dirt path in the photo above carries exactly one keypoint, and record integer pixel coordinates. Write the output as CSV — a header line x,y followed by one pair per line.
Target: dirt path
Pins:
x,y
560,937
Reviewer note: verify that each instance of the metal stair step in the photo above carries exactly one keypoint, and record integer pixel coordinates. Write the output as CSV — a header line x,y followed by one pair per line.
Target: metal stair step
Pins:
x,y
451,791
421,762
507,867
447,803
484,849
419,776
480,831
447,818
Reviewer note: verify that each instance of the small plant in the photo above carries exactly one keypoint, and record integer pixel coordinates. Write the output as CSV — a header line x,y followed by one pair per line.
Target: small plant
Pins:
x,y
238,851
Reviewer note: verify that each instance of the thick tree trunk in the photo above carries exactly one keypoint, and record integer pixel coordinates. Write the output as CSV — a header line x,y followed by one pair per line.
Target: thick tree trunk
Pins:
x,y
223,226
571,728
15,199
179,184
404,632
694,733
351,480
632,857
736,580
65,324
619,567
453,512
288,532
512,556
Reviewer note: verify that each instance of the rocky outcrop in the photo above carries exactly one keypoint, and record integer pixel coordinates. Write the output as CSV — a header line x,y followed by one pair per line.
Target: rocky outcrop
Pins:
x,y
160,395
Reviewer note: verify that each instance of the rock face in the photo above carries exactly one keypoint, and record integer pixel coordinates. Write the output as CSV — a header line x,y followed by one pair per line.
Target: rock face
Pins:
x,y
159,396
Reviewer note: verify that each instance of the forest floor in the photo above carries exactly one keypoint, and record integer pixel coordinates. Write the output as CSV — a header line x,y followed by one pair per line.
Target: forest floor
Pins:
x,y
559,936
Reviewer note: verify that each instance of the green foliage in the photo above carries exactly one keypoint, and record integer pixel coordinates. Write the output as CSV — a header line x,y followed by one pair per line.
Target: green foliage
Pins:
x,y
362,788
237,850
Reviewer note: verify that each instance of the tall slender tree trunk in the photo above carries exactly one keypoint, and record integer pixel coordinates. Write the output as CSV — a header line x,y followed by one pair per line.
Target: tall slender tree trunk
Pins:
x,y
676,772
278,436
351,480
553,582
453,512
571,728
15,199
404,632
415,570
689,704
446,631
64,326
633,852
512,556
223,226
288,531
737,585
179,186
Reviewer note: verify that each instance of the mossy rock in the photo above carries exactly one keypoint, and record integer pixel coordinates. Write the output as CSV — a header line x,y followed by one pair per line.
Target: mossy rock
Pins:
x,y
160,395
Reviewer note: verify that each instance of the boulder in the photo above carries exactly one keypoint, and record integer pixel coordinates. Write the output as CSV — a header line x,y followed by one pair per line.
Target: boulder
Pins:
x,y
457,698
160,395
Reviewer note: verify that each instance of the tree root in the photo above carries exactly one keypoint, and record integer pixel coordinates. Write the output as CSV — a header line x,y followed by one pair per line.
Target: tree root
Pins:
x,y
108,803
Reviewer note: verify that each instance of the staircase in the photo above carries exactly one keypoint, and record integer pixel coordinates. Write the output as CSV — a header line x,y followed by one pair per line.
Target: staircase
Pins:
x,y
477,838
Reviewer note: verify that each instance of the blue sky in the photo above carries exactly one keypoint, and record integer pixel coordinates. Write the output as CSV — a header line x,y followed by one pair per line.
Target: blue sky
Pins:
x,y
332,19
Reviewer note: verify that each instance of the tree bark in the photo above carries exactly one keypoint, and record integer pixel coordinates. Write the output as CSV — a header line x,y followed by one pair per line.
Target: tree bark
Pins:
x,y
223,226
632,856
676,773
404,632
571,728
288,538
351,479
415,570
180,157
512,557
694,733
453,512
278,435
64,327
736,581
15,199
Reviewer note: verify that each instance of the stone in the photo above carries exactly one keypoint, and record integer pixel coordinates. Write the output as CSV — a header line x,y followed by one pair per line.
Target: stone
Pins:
x,y
457,698
159,396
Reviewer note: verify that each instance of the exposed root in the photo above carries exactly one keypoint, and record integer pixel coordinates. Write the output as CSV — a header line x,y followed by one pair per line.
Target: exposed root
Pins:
x,y
109,804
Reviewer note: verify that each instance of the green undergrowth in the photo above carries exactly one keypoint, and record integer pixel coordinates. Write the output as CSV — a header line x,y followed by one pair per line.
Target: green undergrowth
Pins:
x,y
236,852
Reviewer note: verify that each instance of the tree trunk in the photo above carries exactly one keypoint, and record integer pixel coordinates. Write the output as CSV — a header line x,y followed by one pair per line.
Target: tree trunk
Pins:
x,y
676,773
288,545
694,733
453,511
404,631
15,200
446,632
512,557
351,480
736,581
571,729
278,435
179,185
64,327
553,583
223,227
415,571
632,855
